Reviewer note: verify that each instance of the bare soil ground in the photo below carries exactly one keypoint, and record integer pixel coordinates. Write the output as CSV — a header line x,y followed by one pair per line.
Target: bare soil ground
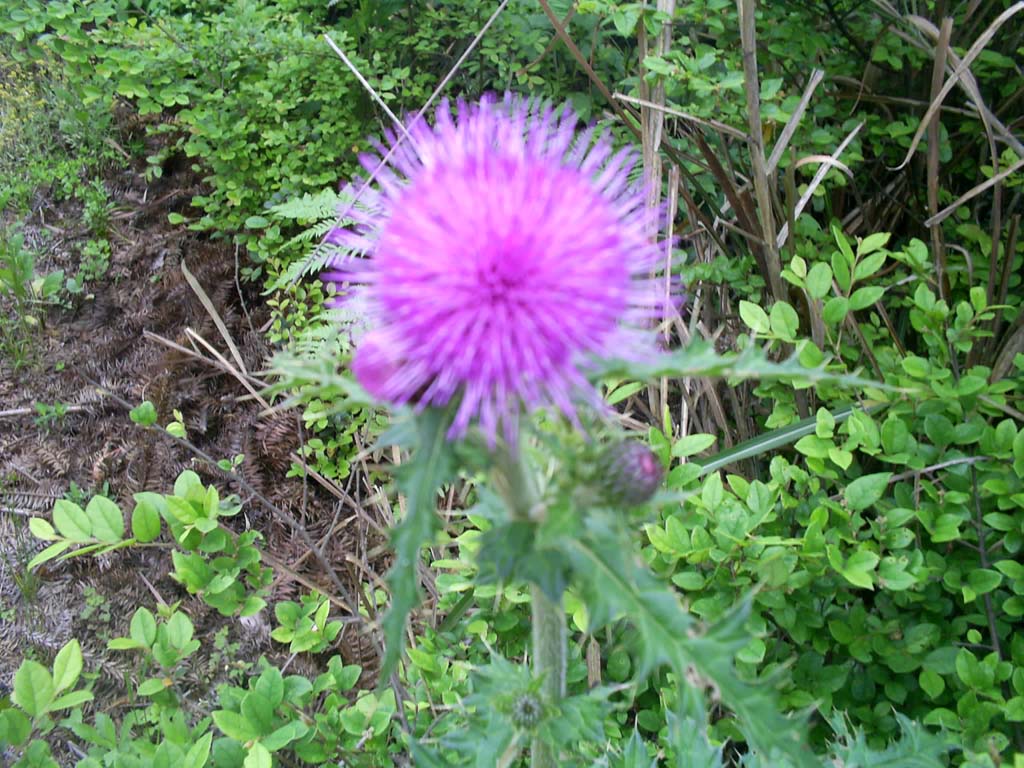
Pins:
x,y
100,357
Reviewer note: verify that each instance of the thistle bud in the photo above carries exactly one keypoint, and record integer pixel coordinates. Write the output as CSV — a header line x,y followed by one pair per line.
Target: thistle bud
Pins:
x,y
527,711
629,473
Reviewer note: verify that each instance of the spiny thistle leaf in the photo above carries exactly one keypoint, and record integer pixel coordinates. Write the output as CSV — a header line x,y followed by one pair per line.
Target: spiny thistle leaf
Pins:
x,y
917,748
635,754
701,360
419,479
689,737
614,585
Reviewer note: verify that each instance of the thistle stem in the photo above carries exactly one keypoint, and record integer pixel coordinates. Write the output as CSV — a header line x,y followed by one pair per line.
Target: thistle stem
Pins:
x,y
550,638
549,643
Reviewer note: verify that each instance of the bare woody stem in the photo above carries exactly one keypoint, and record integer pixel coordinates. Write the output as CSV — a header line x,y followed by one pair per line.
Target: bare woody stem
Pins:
x,y
550,639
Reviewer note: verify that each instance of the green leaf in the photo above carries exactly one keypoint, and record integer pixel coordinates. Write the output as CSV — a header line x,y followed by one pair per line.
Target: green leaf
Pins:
x,y
858,570
199,752
144,414
1018,454
67,666
259,757
285,735
125,644
841,272
865,297
70,700
772,441
785,322
107,520
152,686
33,688
143,627
258,711
700,359
867,267
691,444
72,521
872,243
614,584
419,479
819,281
835,310
145,522
635,754
1014,711
234,725
15,728
932,683
41,529
755,317
179,630
983,580
866,490
270,685
52,551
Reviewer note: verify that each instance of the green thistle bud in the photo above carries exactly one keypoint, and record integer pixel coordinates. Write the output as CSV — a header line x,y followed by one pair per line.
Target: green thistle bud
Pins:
x,y
629,473
527,711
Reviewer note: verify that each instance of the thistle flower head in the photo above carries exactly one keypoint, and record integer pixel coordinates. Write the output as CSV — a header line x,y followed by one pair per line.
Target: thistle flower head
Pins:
x,y
504,253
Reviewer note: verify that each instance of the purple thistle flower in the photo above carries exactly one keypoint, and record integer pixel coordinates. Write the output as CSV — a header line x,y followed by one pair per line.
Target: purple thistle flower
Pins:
x,y
505,254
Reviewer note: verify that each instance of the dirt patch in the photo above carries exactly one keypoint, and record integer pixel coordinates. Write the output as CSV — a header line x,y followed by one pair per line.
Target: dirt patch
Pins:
x,y
100,355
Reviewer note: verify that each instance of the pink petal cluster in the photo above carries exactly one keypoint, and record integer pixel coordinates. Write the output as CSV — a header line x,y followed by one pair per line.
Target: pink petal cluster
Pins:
x,y
502,251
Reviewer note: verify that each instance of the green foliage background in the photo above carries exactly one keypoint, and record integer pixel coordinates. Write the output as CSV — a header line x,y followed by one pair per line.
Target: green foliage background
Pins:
x,y
877,539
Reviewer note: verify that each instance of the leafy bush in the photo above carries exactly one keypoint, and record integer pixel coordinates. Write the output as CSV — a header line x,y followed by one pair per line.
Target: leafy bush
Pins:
x,y
874,540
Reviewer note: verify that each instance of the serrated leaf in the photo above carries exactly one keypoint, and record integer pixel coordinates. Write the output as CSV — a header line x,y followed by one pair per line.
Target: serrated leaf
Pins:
x,y
700,359
615,585
635,754
419,479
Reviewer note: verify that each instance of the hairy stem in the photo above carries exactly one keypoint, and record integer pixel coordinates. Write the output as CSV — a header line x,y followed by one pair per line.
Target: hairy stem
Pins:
x,y
549,642
519,491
